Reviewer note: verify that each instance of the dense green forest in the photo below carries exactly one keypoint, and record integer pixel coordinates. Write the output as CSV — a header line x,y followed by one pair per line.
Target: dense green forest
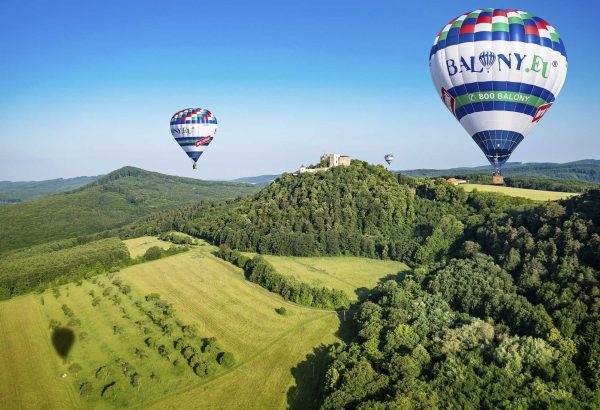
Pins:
x,y
509,319
14,192
584,170
114,200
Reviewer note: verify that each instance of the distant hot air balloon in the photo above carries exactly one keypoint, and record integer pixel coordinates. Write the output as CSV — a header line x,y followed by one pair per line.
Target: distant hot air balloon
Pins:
x,y
498,72
193,129
389,158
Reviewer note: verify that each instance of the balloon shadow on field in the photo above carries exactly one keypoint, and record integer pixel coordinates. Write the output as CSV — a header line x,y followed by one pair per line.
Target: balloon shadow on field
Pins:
x,y
63,339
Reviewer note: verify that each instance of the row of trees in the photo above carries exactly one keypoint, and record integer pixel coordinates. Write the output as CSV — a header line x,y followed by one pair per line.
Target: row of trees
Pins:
x,y
259,271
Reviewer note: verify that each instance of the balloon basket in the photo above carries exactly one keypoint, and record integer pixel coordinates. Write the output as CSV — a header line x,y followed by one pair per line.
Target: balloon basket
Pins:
x,y
195,166
497,180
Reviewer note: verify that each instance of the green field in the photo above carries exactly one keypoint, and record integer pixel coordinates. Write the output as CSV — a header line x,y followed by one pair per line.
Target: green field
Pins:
x,y
520,192
347,273
139,246
214,294
205,291
31,370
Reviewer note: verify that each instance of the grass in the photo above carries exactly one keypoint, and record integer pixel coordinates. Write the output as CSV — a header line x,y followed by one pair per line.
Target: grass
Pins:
x,y
214,294
139,246
30,376
351,274
273,352
520,192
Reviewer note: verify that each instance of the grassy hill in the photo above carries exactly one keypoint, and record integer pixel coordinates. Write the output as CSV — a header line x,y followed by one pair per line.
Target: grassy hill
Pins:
x,y
583,170
19,191
112,201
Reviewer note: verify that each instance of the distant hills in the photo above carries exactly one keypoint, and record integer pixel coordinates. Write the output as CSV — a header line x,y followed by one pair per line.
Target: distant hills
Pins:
x,y
583,170
259,179
587,170
14,192
110,201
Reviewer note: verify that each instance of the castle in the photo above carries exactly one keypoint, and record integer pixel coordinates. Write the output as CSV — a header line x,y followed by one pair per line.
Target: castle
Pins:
x,y
331,160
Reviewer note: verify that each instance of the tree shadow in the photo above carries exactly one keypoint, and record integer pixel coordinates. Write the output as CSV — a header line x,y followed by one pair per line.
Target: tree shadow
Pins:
x,y
310,377
347,329
398,276
63,339
362,293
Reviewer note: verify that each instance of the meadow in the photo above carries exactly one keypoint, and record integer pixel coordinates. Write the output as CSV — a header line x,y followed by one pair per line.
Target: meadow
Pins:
x,y
353,275
109,317
520,192
139,246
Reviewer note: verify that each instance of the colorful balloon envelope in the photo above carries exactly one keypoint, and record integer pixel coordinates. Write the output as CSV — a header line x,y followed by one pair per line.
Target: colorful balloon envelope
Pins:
x,y
389,158
498,72
194,130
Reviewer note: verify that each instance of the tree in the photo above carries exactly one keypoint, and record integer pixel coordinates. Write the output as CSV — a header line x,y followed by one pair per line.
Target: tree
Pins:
x,y
153,253
226,359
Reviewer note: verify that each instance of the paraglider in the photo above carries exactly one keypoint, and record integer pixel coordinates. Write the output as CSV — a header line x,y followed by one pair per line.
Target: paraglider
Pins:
x,y
389,158
194,130
498,72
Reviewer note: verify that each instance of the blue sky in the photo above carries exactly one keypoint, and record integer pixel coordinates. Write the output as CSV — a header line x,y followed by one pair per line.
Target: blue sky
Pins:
x,y
88,87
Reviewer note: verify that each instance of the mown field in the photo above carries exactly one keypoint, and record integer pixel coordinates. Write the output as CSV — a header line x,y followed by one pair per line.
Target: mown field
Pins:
x,y
520,192
273,353
351,274
139,246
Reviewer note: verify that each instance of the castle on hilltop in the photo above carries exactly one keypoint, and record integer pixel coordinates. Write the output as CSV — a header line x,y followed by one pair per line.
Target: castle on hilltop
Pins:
x,y
327,161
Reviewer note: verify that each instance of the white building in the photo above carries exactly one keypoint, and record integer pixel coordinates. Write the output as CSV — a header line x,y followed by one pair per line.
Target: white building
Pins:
x,y
332,160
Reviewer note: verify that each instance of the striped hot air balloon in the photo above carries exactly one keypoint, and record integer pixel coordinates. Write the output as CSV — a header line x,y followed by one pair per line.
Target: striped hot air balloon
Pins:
x,y
498,72
194,130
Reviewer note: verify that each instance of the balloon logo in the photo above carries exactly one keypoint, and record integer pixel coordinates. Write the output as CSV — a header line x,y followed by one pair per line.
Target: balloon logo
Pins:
x,y
498,72
487,59
193,129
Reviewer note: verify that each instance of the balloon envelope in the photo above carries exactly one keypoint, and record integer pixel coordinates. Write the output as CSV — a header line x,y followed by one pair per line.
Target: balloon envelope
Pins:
x,y
498,72
389,158
194,130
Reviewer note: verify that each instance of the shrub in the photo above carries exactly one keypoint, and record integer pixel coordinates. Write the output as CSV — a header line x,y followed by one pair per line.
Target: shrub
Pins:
x,y
281,310
153,253
226,359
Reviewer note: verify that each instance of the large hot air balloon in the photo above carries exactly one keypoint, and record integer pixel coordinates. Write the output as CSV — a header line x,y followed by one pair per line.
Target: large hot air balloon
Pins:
x,y
389,158
193,129
498,72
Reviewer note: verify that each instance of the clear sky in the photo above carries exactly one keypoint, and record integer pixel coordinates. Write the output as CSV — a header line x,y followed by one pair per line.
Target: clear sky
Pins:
x,y
89,86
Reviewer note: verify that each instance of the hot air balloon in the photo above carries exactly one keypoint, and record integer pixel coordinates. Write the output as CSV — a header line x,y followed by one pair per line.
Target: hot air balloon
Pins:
x,y
498,72
389,158
194,130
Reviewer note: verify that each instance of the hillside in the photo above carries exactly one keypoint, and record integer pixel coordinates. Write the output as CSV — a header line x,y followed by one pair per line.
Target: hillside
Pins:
x,y
346,210
113,200
583,170
19,191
